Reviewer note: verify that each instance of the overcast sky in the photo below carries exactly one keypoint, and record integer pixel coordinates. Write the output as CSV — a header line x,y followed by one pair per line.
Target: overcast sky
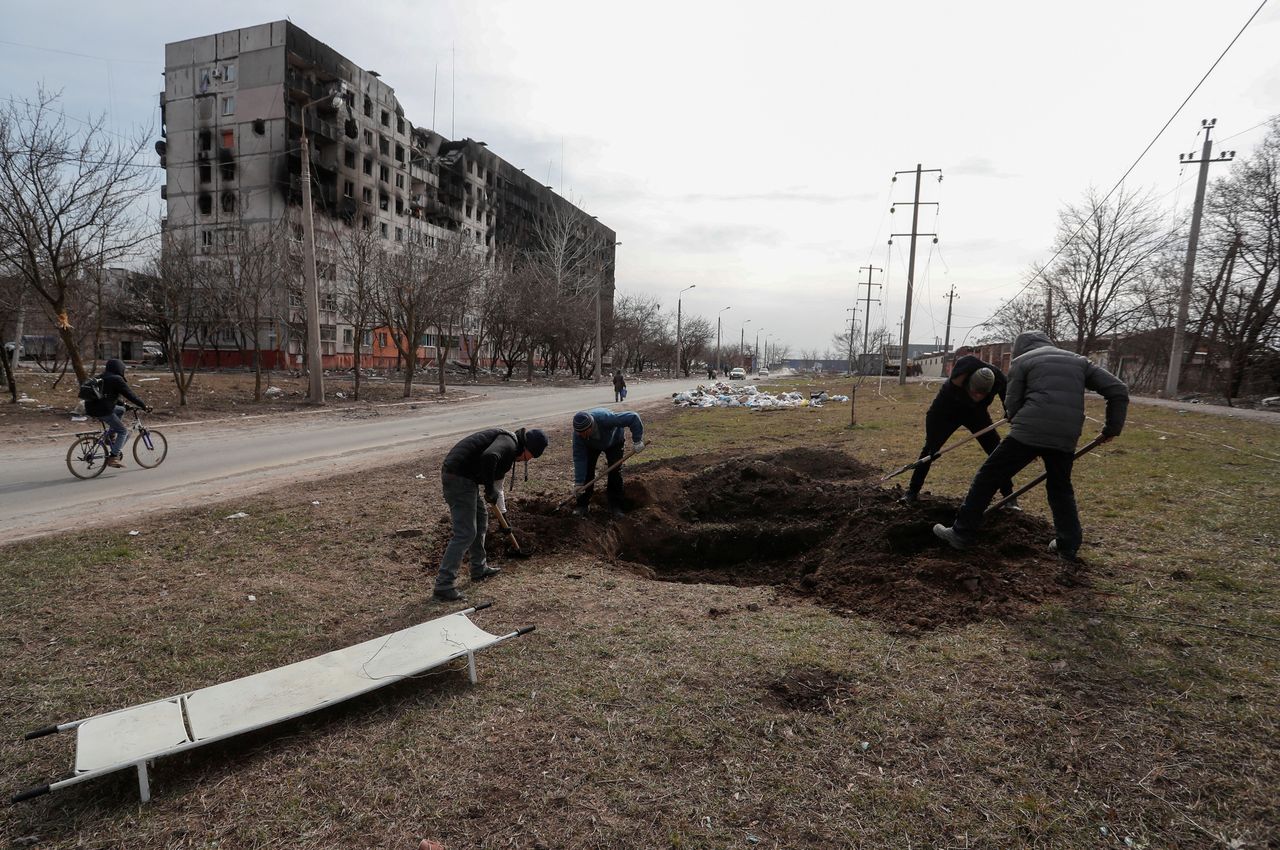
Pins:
x,y
747,147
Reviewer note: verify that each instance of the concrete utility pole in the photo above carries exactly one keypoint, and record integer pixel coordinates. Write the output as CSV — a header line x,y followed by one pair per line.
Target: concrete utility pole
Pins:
x,y
853,322
951,297
719,360
755,353
315,368
911,263
1193,241
866,314
678,294
742,339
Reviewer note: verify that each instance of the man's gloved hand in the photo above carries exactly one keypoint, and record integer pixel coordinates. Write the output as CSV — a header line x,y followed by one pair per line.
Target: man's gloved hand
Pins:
x,y
1104,438
491,495
502,501
637,446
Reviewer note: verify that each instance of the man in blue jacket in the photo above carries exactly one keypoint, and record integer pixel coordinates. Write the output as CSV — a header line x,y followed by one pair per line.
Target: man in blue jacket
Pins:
x,y
601,430
961,402
1045,407
109,410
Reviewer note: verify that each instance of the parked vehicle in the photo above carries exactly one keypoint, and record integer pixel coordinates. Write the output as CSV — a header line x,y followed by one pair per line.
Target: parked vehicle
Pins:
x,y
763,373
738,374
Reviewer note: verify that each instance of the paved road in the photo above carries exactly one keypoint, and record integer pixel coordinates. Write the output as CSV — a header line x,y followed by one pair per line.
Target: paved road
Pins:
x,y
38,495
1261,415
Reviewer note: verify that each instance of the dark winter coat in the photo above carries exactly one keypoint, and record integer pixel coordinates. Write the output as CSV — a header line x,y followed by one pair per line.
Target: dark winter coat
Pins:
x,y
955,400
486,456
618,381
610,430
113,386
1045,400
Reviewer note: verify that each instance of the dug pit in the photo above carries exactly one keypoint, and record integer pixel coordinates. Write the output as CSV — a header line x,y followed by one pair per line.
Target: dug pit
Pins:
x,y
812,522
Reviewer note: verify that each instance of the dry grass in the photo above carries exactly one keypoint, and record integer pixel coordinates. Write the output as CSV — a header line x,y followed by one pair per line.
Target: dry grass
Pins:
x,y
633,717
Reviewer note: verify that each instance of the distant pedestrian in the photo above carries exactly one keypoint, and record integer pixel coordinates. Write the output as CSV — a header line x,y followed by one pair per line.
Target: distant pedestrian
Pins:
x,y
478,462
962,401
601,430
619,386
1045,407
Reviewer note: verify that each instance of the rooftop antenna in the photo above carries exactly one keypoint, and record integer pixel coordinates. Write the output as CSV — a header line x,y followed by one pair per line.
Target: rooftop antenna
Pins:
x,y
435,80
453,99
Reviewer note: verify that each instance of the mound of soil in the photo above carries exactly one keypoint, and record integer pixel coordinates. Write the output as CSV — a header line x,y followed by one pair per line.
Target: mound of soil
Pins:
x,y
811,689
813,522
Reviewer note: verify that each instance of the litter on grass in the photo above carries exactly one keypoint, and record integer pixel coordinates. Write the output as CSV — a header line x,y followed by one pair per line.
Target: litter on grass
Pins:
x,y
721,394
237,515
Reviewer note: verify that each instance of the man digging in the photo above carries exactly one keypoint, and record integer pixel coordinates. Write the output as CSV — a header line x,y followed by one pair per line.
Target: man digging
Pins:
x,y
962,401
1045,407
478,461
601,430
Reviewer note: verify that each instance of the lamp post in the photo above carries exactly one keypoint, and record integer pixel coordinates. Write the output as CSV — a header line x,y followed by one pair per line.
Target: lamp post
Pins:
x,y
678,294
719,362
742,339
315,367
765,361
755,353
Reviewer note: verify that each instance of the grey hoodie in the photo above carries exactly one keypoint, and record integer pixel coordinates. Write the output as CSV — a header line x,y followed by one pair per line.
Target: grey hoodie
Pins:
x,y
1045,399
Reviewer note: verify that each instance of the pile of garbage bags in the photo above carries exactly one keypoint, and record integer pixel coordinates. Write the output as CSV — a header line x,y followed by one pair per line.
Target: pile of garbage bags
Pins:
x,y
721,394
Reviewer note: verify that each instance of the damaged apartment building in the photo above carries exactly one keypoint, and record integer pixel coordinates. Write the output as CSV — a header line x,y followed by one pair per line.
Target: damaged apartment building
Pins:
x,y
232,113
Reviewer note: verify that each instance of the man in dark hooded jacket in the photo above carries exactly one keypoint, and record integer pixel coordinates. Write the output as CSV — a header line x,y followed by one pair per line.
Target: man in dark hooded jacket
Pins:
x,y
478,461
961,402
1045,407
109,410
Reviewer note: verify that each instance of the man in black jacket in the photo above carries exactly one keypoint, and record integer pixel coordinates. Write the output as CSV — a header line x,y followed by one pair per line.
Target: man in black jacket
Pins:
x,y
962,401
109,410
1045,406
478,461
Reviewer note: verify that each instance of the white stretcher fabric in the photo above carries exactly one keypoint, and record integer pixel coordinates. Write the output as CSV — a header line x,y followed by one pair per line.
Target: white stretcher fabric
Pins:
x,y
229,708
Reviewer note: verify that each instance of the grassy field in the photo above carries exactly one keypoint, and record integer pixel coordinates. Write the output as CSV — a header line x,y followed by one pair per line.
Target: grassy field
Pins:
x,y
1141,711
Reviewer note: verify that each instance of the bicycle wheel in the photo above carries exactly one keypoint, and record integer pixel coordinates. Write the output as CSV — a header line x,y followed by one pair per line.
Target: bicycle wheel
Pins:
x,y
150,448
86,458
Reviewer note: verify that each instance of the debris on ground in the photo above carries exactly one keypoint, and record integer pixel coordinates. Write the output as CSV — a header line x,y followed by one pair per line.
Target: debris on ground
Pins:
x,y
273,392
236,515
812,522
749,396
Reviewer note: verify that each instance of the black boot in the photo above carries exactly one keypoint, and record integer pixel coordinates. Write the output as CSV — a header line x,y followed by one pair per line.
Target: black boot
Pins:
x,y
447,594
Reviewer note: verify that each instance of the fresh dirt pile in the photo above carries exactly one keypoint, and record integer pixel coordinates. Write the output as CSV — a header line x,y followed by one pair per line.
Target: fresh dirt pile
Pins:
x,y
814,522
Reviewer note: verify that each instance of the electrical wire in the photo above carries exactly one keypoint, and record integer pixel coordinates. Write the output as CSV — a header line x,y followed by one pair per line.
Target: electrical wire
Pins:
x,y
1141,156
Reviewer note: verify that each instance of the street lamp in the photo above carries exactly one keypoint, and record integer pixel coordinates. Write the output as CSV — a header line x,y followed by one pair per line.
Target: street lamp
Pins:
x,y
755,353
742,339
765,359
719,362
315,366
678,294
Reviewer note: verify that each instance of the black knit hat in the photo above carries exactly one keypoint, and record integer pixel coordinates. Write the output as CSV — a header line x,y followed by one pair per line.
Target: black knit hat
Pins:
x,y
535,441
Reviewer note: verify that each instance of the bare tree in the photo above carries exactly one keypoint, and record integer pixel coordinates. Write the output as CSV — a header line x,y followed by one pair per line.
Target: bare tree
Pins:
x,y
250,278
1107,249
360,256
69,202
696,333
1023,313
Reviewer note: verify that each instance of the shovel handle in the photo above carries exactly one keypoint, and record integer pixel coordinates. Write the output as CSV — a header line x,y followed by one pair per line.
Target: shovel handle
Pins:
x,y
1088,447
931,458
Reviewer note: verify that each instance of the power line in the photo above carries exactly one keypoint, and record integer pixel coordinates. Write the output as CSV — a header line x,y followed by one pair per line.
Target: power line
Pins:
x,y
1129,171
73,53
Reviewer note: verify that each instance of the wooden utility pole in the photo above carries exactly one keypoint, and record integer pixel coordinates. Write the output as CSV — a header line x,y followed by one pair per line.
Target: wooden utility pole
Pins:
x,y
866,314
1193,240
951,297
911,262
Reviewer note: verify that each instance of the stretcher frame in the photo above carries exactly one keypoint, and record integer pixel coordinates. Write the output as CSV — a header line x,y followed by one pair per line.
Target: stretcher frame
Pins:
x,y
176,711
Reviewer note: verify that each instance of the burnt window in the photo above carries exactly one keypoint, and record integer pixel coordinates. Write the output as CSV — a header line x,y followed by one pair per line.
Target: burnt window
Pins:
x,y
386,118
399,123
384,173
368,106
384,145
399,153
259,127
206,140
399,206
228,202
349,159
206,172
384,201
206,204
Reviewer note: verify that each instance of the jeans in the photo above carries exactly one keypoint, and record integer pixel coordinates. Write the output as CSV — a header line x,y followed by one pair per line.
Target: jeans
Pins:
x,y
939,425
116,429
1006,461
613,490
467,509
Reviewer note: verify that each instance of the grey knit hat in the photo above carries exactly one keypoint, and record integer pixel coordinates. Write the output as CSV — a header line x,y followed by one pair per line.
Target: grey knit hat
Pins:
x,y
982,380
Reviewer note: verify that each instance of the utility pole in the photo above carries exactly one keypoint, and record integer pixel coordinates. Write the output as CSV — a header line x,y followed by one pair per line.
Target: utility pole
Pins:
x,y
911,263
866,314
678,302
719,359
951,297
853,322
1193,240
315,368
742,340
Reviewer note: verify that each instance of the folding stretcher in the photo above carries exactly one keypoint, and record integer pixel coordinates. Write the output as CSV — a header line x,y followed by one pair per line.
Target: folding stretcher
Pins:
x,y
132,737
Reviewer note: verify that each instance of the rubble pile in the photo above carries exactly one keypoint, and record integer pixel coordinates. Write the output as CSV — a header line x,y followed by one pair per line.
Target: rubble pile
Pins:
x,y
721,394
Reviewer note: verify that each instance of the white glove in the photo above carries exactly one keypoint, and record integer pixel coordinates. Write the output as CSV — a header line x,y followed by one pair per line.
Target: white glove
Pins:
x,y
502,502
637,446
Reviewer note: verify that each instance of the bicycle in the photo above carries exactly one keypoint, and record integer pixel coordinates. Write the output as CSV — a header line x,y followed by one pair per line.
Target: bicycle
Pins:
x,y
88,455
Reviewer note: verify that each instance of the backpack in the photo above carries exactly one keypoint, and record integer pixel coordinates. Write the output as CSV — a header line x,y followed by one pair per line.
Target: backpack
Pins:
x,y
91,390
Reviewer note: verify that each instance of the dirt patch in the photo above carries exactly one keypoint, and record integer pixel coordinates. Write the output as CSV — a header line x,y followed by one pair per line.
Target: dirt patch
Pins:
x,y
813,522
812,690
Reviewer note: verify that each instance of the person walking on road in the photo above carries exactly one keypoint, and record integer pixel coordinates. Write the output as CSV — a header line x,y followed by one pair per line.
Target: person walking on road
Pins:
x,y
962,401
107,408
1045,407
619,386
476,463
601,430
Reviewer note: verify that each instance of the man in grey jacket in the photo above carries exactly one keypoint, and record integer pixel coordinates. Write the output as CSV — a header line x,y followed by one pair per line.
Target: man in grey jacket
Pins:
x,y
1045,406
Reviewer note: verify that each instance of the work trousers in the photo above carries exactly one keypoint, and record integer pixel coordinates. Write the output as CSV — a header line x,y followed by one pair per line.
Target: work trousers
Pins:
x,y
117,431
939,425
468,511
613,489
1007,460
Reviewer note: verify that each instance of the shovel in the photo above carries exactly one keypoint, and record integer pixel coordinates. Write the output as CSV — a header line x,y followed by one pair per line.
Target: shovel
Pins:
x,y
513,549
577,491
1088,447
931,458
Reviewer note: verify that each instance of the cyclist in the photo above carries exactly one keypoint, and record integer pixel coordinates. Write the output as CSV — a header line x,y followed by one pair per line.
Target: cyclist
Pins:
x,y
109,410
